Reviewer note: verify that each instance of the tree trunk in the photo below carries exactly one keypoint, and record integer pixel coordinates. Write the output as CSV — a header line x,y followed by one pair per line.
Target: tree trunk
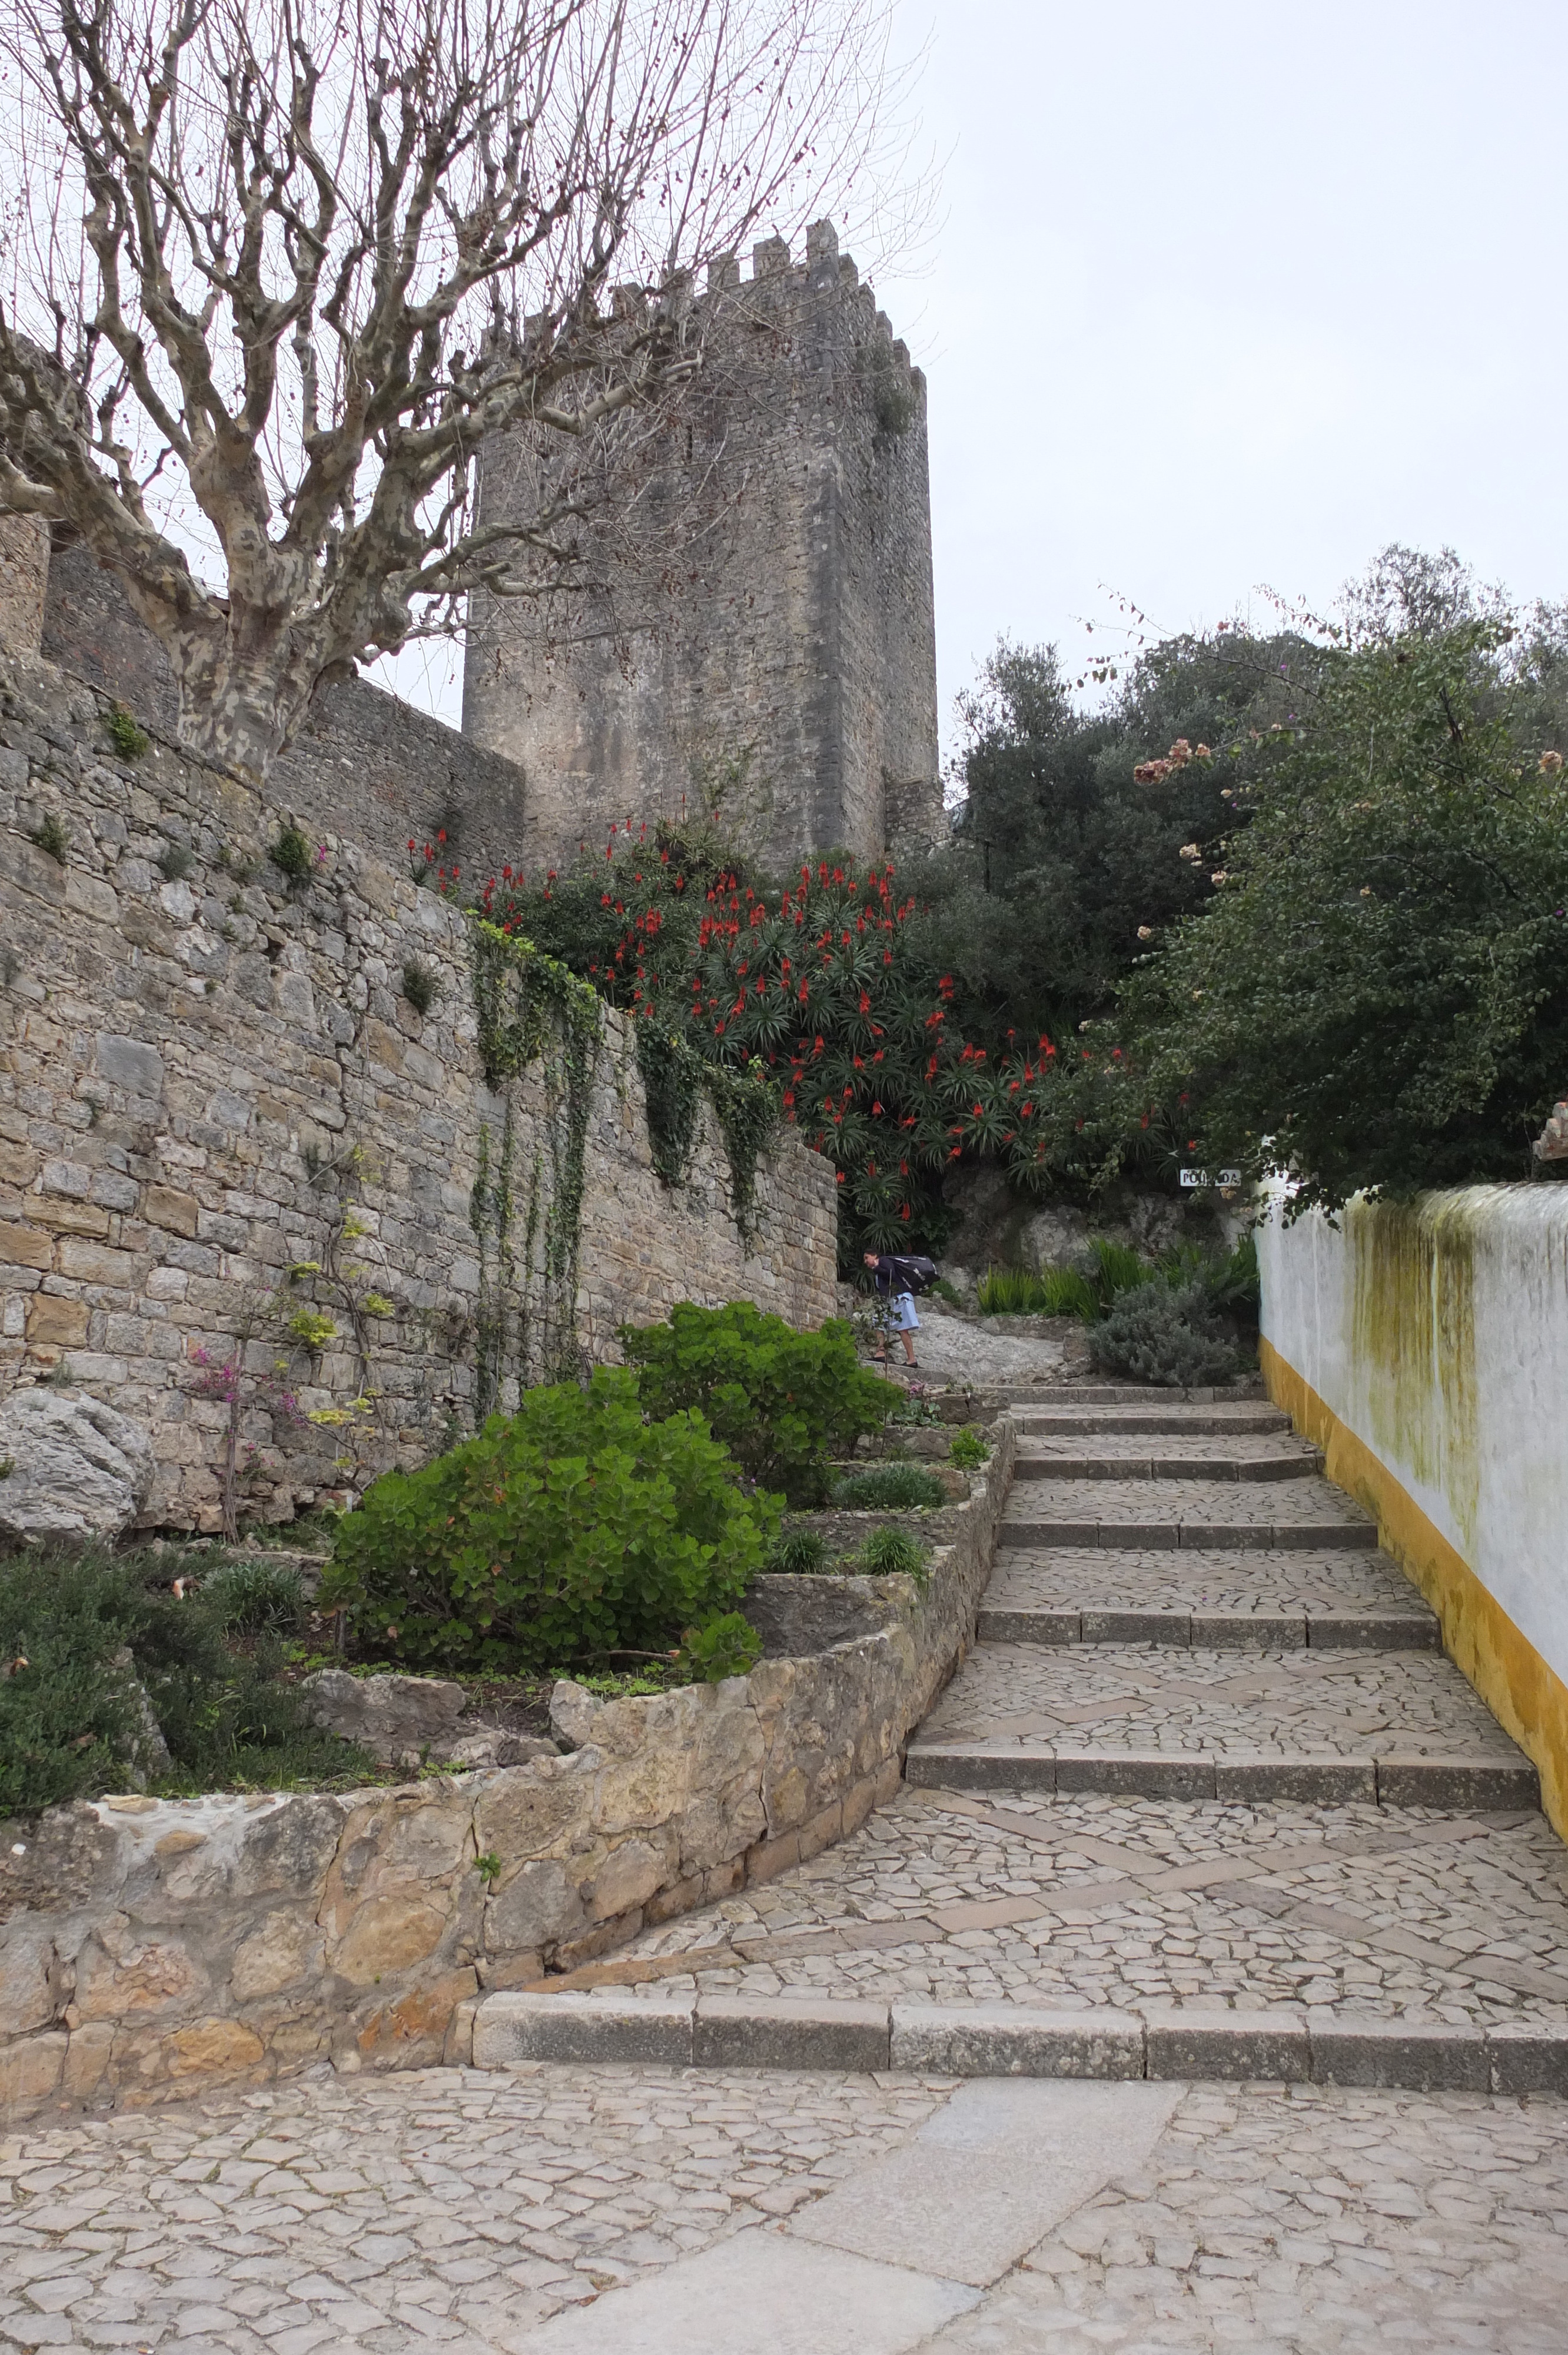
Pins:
x,y
244,682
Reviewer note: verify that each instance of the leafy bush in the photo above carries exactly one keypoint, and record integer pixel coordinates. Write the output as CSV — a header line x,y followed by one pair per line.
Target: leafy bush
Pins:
x,y
968,1449
292,854
1158,1334
129,740
782,1401
727,1645
420,984
1230,1284
248,1596
894,1553
52,835
889,1488
176,862
799,1552
570,1528
90,1643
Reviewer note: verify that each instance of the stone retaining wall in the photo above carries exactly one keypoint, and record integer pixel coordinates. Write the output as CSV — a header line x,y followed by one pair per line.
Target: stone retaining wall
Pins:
x,y
205,1070
153,1947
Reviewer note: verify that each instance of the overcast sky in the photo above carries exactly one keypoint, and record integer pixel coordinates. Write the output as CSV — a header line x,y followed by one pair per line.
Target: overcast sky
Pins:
x,y
1224,295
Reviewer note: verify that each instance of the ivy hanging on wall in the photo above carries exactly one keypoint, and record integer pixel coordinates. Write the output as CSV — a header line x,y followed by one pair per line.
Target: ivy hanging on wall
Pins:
x,y
674,1080
530,1010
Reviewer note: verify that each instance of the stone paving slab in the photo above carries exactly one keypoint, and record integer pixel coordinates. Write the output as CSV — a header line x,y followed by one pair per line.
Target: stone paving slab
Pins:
x,y
1142,1698
1089,1900
444,2208
1187,1580
1197,1513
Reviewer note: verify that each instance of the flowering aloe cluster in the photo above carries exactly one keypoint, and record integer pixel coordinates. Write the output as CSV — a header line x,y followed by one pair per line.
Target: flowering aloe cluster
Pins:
x,y
821,983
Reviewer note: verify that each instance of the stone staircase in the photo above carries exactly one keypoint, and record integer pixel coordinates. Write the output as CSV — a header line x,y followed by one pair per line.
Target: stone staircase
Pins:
x,y
1206,1798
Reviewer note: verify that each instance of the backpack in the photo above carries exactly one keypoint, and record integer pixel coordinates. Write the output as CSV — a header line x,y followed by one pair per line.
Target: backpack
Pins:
x,y
913,1271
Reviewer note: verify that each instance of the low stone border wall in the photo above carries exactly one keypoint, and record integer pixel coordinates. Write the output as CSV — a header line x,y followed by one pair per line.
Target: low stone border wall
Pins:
x,y
1275,2043
153,1947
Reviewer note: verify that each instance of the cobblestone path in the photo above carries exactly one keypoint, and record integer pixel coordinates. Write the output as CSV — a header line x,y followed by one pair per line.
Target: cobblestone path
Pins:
x,y
1213,1774
1365,1849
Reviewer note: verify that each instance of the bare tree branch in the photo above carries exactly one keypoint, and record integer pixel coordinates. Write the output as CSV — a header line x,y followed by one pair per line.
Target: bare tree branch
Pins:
x,y
278,268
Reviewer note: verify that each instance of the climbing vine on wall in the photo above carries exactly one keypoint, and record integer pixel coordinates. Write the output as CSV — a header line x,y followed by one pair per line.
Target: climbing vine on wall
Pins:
x,y
530,1010
675,1077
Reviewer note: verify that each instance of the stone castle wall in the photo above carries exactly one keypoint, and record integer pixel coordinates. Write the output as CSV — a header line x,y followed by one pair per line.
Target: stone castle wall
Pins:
x,y
765,649
206,1071
366,765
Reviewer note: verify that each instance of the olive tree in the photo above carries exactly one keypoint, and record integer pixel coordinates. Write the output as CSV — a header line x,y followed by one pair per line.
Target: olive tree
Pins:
x,y
274,268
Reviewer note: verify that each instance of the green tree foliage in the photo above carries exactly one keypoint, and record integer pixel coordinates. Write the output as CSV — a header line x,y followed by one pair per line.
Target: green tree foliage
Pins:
x,y
1374,997
1065,844
569,1530
784,1403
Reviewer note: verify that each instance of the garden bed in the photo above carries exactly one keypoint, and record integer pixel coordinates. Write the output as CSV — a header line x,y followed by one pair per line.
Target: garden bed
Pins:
x,y
155,1945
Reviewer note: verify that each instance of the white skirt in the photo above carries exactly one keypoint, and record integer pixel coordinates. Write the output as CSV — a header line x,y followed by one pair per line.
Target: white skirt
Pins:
x,y
899,1314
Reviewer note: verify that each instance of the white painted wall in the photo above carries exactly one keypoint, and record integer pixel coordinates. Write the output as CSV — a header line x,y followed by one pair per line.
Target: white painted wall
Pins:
x,y
1440,1338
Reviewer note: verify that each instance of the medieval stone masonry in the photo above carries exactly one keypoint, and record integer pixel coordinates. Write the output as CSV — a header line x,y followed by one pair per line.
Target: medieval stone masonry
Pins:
x,y
762,647
212,1074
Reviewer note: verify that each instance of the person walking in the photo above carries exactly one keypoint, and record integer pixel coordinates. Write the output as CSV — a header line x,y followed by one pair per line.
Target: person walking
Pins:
x,y
896,1278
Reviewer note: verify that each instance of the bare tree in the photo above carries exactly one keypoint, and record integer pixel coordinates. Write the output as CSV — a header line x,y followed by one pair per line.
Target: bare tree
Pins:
x,y
276,267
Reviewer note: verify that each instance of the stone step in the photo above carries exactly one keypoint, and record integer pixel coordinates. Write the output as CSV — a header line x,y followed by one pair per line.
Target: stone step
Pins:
x,y
1118,1458
1255,1630
1289,1579
1060,1511
1390,1781
1221,1420
1395,1729
683,2030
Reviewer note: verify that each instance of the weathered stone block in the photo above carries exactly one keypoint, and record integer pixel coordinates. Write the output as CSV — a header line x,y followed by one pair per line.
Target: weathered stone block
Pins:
x,y
513,2028
81,1470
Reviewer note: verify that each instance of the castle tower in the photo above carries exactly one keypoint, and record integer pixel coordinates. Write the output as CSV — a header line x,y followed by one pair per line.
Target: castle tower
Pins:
x,y
763,647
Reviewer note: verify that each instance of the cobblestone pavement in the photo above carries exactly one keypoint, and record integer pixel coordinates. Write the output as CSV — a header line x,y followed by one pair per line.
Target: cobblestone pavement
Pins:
x,y
1235,1504
441,2208
1188,1578
1145,1697
1064,1902
448,2210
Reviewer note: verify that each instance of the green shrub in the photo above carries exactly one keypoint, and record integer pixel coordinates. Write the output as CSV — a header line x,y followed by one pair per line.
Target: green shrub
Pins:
x,y
782,1401
1118,1269
1010,1291
889,1488
93,1642
129,740
174,862
420,984
727,1645
248,1596
1068,1294
799,1552
570,1528
966,1449
1157,1334
292,854
52,835
942,1290
890,1554
69,1716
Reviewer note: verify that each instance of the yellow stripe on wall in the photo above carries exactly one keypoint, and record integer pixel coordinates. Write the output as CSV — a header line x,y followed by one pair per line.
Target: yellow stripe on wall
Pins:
x,y
1528,1698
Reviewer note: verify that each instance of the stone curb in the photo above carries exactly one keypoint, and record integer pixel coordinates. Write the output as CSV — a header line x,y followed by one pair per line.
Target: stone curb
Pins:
x,y
1278,2044
1075,1423
1416,1630
1498,1785
1230,1537
1239,1469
